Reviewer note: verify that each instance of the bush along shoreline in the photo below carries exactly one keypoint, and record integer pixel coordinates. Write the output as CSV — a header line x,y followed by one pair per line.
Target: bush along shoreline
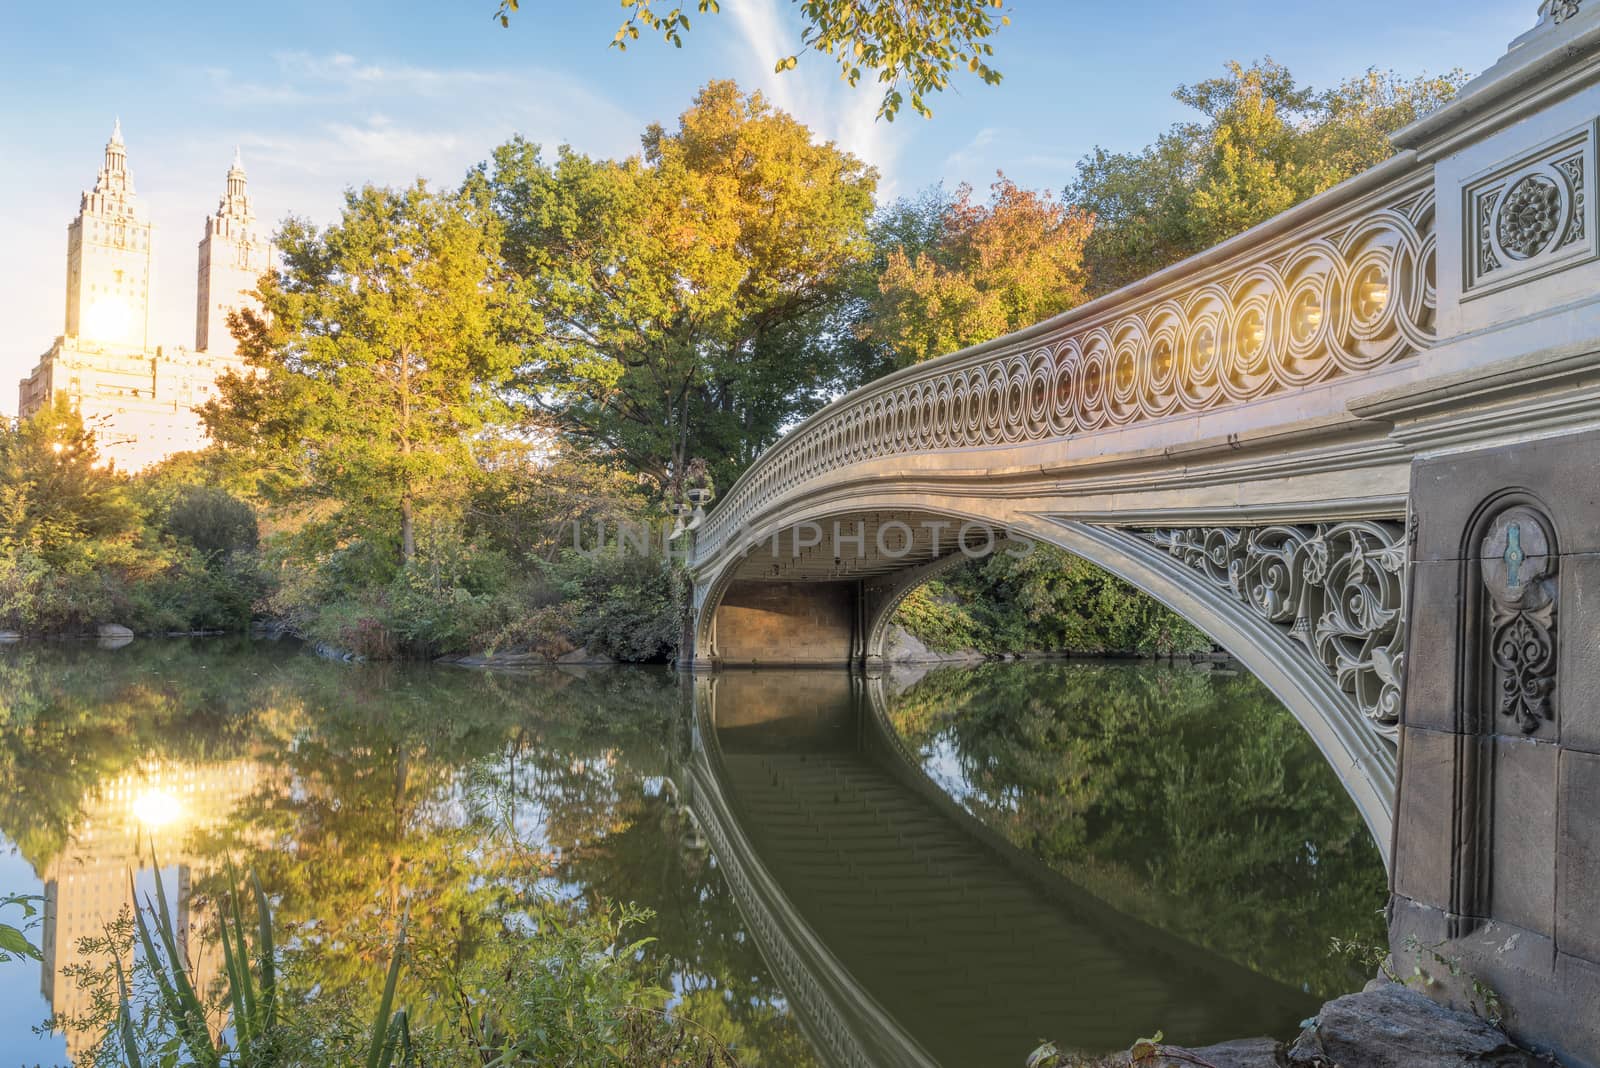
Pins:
x,y
495,576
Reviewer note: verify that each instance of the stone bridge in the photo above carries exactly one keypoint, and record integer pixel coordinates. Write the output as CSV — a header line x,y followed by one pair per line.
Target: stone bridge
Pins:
x,y
1356,445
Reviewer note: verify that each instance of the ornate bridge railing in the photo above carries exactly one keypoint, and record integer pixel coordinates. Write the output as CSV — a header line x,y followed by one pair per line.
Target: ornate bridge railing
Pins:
x,y
1341,286
1336,588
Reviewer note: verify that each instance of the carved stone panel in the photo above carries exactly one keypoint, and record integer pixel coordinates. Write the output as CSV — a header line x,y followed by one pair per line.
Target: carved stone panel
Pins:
x,y
1518,567
1532,216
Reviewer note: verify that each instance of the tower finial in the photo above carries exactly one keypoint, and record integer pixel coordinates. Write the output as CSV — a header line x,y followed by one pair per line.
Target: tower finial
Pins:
x,y
116,132
238,161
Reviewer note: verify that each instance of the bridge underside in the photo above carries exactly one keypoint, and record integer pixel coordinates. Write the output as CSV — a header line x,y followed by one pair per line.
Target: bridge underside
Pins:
x,y
822,589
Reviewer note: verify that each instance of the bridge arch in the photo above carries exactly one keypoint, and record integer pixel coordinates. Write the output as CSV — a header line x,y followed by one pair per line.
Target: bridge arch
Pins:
x,y
774,599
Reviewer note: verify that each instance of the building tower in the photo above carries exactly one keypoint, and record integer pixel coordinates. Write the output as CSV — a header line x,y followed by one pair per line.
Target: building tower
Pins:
x,y
108,258
233,257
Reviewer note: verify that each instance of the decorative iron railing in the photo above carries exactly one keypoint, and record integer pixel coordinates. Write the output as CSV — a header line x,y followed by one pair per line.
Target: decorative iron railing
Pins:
x,y
1343,286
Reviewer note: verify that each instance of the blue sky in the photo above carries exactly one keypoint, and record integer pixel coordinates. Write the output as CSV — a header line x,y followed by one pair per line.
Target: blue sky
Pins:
x,y
322,96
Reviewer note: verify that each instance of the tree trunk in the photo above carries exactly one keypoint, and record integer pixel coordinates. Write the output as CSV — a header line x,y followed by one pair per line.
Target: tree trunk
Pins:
x,y
408,532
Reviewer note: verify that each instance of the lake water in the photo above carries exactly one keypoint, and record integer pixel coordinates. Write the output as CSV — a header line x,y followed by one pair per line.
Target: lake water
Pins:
x,y
936,869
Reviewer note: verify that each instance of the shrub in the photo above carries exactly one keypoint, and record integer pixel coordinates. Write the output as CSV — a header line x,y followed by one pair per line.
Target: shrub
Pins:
x,y
624,605
213,521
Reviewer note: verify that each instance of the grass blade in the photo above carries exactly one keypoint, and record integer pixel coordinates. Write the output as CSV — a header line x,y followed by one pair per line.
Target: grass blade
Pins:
x,y
130,1040
267,953
189,1015
380,1026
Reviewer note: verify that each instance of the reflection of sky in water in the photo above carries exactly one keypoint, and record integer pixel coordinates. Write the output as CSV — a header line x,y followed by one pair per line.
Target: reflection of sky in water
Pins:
x,y
942,763
22,1017
19,1014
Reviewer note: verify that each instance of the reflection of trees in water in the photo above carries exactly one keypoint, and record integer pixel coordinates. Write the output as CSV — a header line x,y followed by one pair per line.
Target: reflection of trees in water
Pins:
x,y
461,797
1190,799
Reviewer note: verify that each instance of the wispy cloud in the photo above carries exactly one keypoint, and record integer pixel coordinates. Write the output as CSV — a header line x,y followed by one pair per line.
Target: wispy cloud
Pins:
x,y
813,92
976,155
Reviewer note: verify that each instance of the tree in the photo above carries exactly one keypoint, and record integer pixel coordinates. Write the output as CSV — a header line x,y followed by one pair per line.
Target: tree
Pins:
x,y
990,270
913,45
680,298
59,502
375,356
1266,143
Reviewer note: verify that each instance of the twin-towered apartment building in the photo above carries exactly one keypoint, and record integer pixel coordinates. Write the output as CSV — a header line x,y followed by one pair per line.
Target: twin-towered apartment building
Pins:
x,y
138,397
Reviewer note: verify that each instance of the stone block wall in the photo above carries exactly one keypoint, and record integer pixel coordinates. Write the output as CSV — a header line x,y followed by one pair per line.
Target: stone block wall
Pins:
x,y
787,623
1496,881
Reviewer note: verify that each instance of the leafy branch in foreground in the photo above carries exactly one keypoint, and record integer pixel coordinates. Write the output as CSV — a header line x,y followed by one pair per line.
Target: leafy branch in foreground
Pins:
x,y
1146,1051
913,45
14,942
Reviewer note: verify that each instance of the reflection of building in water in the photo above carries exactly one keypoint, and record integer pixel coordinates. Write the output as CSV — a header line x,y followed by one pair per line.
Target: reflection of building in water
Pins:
x,y
161,806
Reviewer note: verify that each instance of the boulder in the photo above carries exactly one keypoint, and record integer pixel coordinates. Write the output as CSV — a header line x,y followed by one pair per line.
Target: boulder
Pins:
x,y
901,646
113,631
1396,1027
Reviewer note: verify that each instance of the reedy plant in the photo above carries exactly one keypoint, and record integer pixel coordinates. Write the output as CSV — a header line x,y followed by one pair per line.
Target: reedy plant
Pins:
x,y
255,1036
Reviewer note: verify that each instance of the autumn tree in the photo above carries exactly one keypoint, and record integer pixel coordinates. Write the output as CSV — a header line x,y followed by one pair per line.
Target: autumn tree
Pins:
x,y
911,45
375,356
680,298
1264,144
989,269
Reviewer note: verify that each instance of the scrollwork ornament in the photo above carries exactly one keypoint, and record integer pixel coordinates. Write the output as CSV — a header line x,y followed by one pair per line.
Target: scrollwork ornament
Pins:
x,y
1337,589
1518,568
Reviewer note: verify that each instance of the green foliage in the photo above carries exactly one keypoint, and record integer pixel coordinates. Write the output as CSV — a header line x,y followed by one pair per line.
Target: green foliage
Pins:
x,y
625,605
1043,600
942,622
530,507
912,45
987,271
14,943
376,354
58,503
197,593
81,544
213,521
1264,144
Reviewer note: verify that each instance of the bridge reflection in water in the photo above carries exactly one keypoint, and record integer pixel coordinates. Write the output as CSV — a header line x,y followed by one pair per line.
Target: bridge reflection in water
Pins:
x,y
903,931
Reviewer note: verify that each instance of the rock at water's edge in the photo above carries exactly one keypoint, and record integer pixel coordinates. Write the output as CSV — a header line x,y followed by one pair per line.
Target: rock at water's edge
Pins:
x,y
901,646
1395,1027
113,631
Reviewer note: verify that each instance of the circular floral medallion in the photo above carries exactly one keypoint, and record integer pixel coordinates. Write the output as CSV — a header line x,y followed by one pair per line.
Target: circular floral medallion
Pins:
x,y
1529,216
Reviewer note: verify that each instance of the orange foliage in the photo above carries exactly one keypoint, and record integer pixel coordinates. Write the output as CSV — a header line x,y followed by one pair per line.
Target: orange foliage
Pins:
x,y
995,268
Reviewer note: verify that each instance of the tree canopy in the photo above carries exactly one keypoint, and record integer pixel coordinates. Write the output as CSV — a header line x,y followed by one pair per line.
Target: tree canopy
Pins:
x,y
680,298
57,501
987,270
376,354
913,45
1265,143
